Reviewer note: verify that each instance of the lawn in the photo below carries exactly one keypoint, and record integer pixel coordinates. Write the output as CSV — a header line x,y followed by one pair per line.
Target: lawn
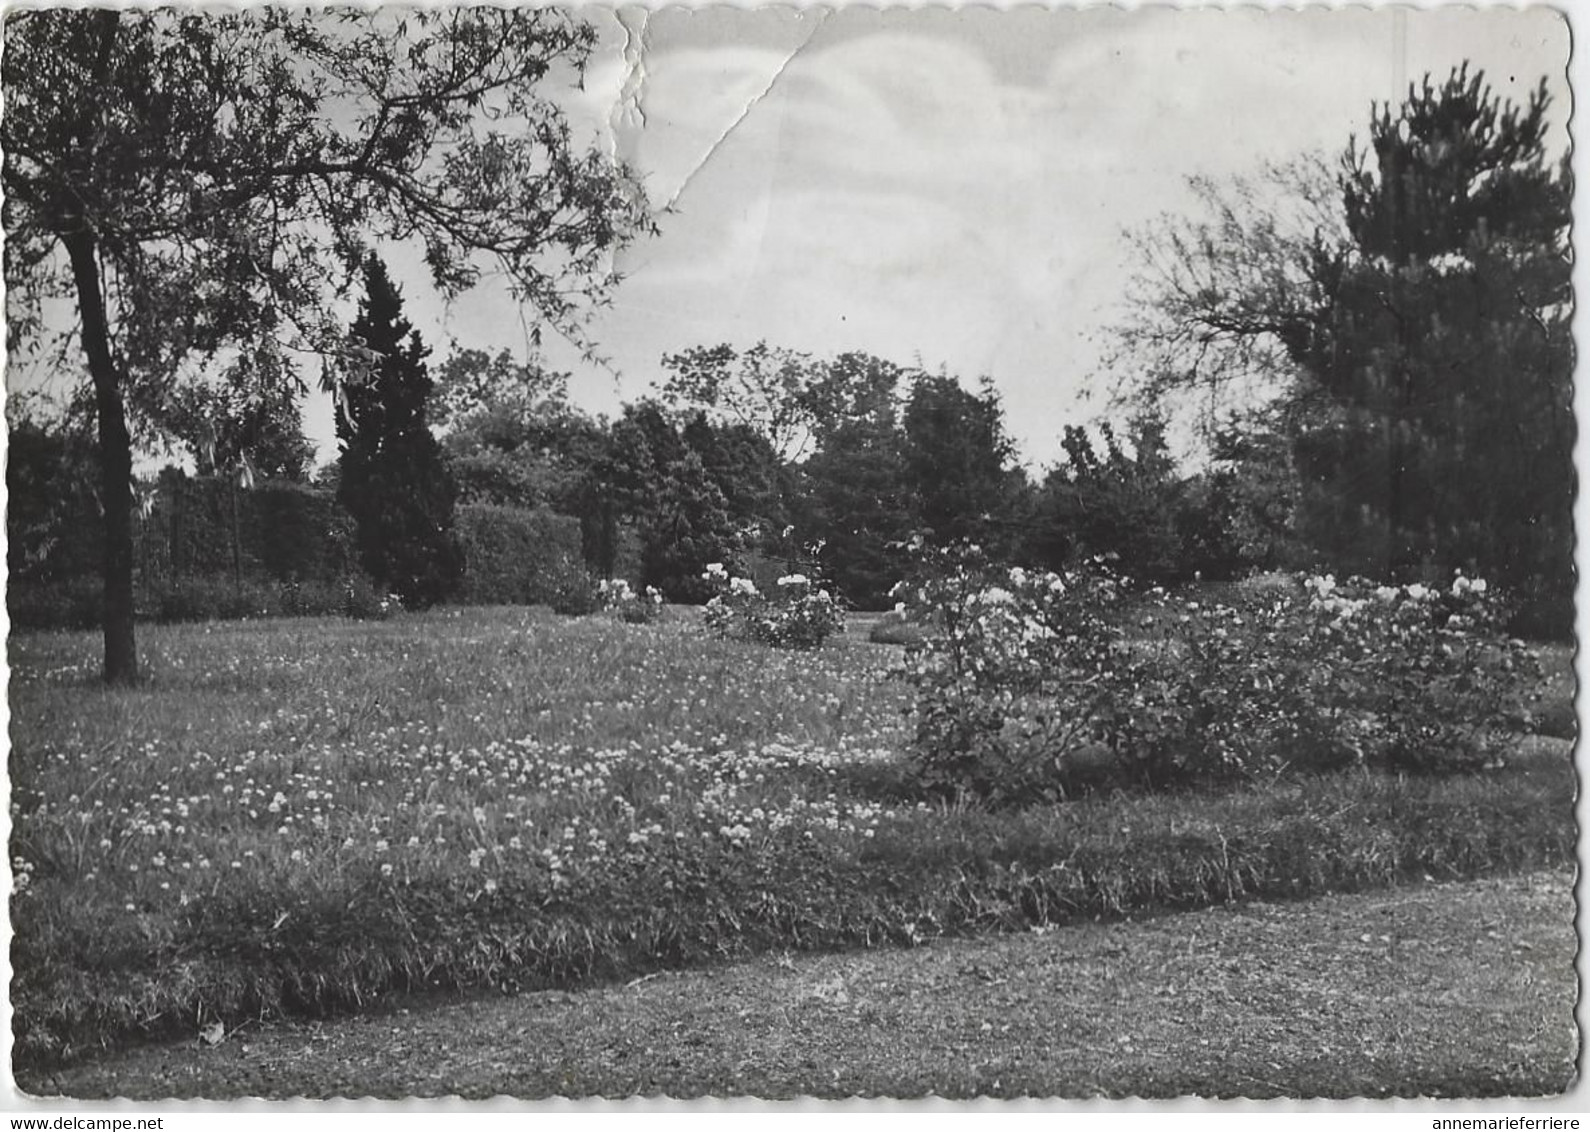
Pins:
x,y
300,817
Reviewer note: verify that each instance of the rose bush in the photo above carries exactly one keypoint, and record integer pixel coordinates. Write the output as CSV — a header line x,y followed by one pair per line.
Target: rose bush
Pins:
x,y
618,598
801,615
1030,682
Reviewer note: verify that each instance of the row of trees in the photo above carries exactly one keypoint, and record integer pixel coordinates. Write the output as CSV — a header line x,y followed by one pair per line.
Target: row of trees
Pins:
x,y
1387,340
1380,350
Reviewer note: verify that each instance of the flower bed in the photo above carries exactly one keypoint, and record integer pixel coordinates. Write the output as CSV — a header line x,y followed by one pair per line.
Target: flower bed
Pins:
x,y
1031,681
801,615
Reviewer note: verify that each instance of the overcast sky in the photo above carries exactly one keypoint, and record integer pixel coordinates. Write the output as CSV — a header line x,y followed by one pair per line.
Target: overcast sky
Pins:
x,y
951,187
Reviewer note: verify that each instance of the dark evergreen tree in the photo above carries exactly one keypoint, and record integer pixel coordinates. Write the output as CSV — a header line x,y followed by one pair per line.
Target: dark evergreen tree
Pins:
x,y
1445,362
685,526
1413,315
745,468
956,460
856,499
658,482
394,481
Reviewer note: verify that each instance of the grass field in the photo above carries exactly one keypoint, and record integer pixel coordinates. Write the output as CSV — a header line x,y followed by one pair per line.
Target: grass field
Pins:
x,y
299,817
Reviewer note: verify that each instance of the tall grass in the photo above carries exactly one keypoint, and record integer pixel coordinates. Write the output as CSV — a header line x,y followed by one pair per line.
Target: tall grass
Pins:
x,y
303,815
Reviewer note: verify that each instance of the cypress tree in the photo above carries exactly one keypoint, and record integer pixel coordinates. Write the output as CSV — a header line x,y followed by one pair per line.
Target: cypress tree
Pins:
x,y
394,480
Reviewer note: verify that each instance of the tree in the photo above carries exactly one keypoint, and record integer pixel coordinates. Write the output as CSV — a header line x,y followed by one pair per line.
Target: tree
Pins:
x,y
245,421
514,439
1445,357
685,526
394,481
1417,333
855,496
1239,512
198,182
1225,295
769,390
657,479
754,482
470,380
1119,503
956,457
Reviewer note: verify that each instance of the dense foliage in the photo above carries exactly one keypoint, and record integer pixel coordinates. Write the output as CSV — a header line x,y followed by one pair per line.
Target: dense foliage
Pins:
x,y
392,477
1408,314
797,614
515,556
218,190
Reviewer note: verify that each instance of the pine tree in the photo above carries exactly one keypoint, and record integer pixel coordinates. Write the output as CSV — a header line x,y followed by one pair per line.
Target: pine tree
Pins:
x,y
394,481
1443,436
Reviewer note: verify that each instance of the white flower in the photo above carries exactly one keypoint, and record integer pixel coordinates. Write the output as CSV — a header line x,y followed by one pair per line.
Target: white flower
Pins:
x,y
794,580
742,586
1420,593
715,570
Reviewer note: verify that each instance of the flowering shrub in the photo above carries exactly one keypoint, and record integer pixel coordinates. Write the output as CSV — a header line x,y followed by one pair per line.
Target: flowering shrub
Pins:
x,y
572,592
363,602
800,616
1032,682
617,597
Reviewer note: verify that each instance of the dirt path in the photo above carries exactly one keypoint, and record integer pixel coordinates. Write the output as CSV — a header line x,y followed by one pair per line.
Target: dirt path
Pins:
x,y
1463,989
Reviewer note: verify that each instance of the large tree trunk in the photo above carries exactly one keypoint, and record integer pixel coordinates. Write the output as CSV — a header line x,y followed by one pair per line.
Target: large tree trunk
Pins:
x,y
115,462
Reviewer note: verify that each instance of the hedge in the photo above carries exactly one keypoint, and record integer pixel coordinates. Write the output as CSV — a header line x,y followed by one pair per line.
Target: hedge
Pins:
x,y
285,532
515,556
